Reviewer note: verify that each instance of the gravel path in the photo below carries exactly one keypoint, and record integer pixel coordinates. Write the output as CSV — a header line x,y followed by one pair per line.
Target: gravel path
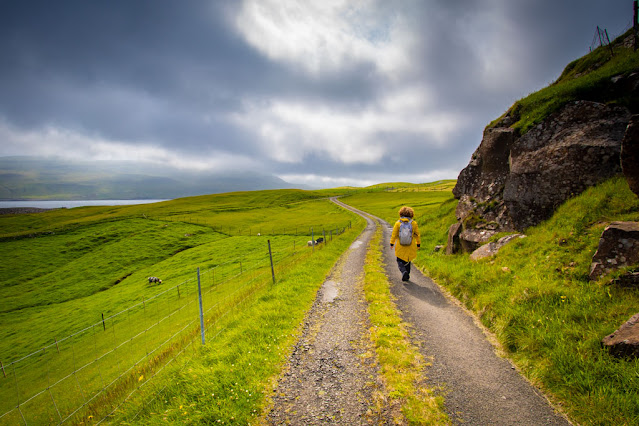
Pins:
x,y
479,387
331,376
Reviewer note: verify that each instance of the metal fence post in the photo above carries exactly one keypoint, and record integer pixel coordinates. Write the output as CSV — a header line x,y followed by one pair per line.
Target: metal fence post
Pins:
x,y
199,292
271,257
612,52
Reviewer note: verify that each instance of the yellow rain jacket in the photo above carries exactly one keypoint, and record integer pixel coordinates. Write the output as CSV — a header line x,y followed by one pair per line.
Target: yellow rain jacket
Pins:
x,y
406,253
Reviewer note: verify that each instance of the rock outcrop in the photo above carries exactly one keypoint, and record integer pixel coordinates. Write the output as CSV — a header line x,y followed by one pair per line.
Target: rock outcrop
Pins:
x,y
491,249
628,280
453,244
513,182
624,343
618,247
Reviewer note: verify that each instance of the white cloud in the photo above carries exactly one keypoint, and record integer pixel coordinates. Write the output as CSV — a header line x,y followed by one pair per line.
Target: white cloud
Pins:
x,y
329,37
53,141
498,50
325,36
317,181
293,130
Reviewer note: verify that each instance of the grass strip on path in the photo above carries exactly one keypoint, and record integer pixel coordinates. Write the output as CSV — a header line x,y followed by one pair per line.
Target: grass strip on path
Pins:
x,y
401,365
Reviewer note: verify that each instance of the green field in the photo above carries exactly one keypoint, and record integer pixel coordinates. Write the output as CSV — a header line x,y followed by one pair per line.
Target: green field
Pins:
x,y
62,270
65,270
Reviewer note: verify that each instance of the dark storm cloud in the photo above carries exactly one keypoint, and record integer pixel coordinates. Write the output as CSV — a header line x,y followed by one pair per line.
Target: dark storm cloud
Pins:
x,y
187,79
527,42
142,70
100,63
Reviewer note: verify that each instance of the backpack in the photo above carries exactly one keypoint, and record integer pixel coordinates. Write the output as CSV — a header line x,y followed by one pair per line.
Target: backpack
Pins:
x,y
406,232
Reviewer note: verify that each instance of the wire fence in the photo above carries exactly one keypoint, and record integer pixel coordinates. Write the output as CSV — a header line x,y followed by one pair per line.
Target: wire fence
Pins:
x,y
602,38
88,375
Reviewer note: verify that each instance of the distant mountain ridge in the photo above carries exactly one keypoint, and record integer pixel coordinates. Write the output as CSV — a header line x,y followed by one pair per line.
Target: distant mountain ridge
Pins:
x,y
44,178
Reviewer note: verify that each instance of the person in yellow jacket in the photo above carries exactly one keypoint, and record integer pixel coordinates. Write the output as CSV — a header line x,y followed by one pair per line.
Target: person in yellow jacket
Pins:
x,y
405,253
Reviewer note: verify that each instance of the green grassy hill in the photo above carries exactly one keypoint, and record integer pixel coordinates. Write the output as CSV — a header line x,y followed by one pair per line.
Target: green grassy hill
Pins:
x,y
83,273
57,261
593,77
63,269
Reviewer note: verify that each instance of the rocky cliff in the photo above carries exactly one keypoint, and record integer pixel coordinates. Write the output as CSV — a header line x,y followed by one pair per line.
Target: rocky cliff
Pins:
x,y
516,181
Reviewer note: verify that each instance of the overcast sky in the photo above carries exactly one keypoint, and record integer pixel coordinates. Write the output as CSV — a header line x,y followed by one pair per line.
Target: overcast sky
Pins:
x,y
318,92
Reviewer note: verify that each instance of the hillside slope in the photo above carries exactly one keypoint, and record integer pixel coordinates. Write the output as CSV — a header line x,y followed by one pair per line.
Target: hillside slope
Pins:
x,y
549,147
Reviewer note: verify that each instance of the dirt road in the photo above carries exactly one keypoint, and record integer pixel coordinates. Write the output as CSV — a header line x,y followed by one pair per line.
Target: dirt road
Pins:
x,y
331,376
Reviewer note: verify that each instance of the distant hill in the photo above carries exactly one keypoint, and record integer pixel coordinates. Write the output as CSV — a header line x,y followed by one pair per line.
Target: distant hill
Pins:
x,y
39,178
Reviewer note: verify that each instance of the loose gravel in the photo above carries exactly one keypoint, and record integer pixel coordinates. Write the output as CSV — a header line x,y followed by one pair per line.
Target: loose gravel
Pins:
x,y
331,375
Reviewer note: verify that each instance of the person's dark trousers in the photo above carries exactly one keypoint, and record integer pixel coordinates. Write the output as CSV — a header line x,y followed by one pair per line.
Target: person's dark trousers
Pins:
x,y
404,268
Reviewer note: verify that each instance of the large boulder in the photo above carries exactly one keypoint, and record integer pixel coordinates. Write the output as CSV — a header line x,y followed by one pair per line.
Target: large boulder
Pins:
x,y
492,248
624,343
471,239
514,182
480,210
488,166
630,154
574,149
618,247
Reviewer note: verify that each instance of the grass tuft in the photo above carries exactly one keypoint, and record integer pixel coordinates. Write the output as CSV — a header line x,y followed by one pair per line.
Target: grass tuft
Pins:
x,y
402,367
